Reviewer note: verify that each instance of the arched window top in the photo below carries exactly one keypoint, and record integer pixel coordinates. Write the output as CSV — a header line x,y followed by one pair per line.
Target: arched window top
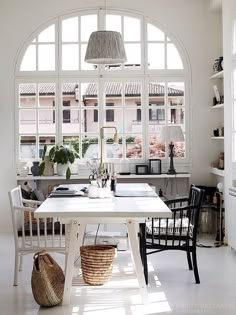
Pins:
x,y
61,46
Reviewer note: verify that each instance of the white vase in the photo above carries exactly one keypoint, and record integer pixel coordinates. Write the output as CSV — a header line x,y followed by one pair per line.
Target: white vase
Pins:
x,y
23,169
61,169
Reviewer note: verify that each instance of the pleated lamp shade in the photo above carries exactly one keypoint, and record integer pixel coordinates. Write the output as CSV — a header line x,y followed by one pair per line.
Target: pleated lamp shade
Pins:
x,y
105,47
171,134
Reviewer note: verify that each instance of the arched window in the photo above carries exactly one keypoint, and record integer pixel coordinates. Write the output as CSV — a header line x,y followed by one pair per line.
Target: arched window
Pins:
x,y
62,98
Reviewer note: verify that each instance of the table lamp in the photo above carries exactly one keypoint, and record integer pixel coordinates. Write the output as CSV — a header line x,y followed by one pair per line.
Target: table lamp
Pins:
x,y
171,134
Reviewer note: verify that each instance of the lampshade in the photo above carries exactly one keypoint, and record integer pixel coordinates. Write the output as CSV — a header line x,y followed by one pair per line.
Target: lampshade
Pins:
x,y
105,47
171,134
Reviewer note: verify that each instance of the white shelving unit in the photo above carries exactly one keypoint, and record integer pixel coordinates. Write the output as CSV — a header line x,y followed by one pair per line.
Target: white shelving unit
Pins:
x,y
218,75
217,138
218,78
218,106
216,171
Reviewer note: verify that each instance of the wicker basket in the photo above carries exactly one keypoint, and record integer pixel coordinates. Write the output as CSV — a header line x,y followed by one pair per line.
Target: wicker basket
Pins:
x,y
47,280
96,263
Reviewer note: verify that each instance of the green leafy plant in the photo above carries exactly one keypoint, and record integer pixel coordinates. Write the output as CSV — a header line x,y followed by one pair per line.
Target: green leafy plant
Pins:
x,y
60,154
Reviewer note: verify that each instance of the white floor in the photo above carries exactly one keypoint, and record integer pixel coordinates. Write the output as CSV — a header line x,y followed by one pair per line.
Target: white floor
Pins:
x,y
172,289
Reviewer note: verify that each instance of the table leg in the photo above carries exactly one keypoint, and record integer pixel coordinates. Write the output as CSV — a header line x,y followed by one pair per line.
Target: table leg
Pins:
x,y
133,240
70,261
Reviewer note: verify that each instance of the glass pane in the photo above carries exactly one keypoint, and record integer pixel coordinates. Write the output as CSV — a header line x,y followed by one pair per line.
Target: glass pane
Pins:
x,y
234,84
89,94
48,140
153,33
27,147
134,146
133,92
131,29
27,95
46,57
156,56
156,147
234,112
89,120
27,121
133,120
133,53
234,147
113,150
29,60
70,121
176,116
113,92
46,94
70,94
175,92
113,23
46,121
70,30
156,117
156,94
113,117
70,57
173,58
234,37
179,149
47,35
85,65
90,148
88,25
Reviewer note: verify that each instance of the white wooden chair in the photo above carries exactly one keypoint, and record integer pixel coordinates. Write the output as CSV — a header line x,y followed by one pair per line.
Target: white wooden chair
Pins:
x,y
31,234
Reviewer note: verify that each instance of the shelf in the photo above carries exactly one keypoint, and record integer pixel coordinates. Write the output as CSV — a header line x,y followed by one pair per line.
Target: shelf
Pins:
x,y
216,171
217,138
218,106
218,75
131,176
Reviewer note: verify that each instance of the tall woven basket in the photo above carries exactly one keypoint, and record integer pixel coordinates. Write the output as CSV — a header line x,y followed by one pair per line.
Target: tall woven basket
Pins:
x,y
96,263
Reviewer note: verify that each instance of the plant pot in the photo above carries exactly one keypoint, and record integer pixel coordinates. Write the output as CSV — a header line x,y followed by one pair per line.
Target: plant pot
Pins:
x,y
49,168
61,169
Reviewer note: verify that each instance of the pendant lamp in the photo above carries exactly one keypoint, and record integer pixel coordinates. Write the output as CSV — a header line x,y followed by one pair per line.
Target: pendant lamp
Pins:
x,y
105,47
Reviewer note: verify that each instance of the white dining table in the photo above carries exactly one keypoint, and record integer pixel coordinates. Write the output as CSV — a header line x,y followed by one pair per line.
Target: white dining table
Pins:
x,y
79,211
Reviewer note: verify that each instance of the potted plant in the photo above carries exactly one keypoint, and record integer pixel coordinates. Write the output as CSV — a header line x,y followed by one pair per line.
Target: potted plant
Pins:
x,y
63,156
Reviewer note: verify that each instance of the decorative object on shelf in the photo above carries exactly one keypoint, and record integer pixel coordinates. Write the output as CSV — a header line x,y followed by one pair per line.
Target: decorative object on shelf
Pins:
x,y
216,132
141,169
171,134
124,166
62,155
221,161
35,168
217,95
155,166
222,132
23,169
48,167
218,64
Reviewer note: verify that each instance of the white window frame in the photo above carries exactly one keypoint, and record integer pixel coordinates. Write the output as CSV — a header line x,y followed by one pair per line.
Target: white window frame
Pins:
x,y
143,75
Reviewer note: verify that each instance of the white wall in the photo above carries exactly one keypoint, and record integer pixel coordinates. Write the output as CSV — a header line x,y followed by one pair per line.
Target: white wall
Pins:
x,y
191,21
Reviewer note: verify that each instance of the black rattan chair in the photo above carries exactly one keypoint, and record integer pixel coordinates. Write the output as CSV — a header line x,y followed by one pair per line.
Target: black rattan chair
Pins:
x,y
177,233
